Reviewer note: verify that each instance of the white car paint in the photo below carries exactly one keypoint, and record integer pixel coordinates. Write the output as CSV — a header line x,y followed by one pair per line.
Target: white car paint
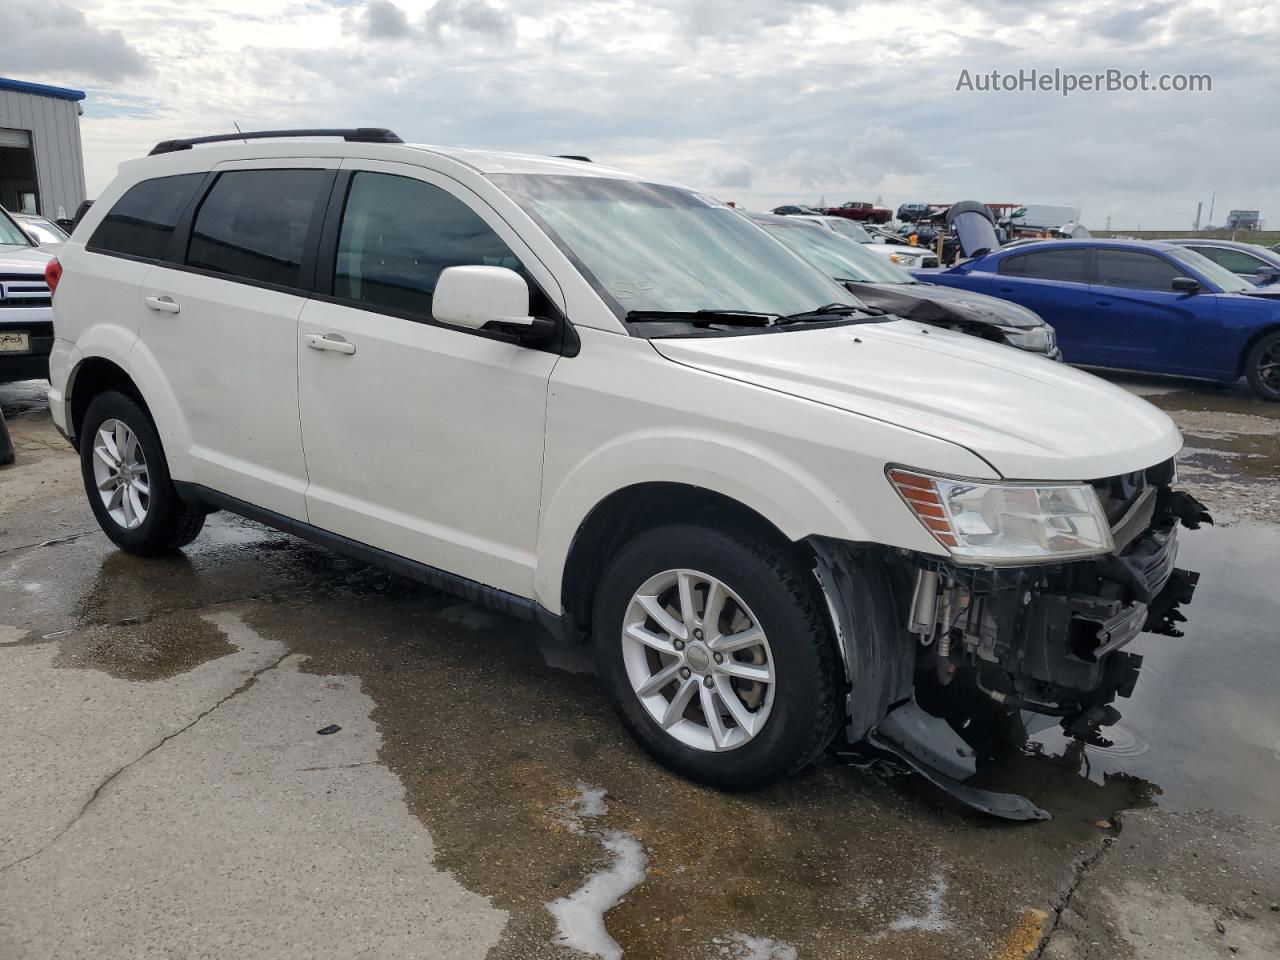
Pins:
x,y
484,459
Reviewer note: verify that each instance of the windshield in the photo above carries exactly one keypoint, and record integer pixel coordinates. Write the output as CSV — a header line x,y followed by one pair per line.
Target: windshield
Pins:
x,y
45,231
1215,273
836,256
648,247
849,229
11,234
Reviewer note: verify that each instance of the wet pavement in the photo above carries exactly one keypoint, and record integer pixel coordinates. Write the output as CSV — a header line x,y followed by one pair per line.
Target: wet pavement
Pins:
x,y
167,792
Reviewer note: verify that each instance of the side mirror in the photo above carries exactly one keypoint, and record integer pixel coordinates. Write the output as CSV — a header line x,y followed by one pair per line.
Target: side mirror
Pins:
x,y
1186,285
487,297
1267,276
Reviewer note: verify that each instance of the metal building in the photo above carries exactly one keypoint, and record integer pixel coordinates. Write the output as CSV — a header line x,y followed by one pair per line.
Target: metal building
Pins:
x,y
41,163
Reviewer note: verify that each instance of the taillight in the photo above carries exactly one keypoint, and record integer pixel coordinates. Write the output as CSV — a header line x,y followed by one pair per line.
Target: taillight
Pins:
x,y
52,274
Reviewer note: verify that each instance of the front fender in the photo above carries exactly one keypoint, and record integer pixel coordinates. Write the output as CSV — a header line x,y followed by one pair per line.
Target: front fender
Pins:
x,y
781,491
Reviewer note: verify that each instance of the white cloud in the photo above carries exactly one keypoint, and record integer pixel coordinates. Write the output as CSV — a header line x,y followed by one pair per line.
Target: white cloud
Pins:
x,y
36,33
760,101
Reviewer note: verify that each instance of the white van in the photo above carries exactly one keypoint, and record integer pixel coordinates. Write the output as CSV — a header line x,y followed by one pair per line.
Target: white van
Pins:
x,y
619,408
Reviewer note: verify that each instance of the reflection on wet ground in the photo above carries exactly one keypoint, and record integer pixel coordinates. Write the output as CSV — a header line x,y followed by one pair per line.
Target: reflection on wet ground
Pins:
x,y
491,743
1204,721
494,731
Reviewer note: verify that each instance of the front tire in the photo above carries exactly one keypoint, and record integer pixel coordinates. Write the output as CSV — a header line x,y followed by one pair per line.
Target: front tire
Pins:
x,y
1262,367
718,654
126,479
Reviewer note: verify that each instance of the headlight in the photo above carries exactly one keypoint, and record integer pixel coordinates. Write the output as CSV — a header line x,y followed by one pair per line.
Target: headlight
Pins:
x,y
1038,339
1007,523
908,259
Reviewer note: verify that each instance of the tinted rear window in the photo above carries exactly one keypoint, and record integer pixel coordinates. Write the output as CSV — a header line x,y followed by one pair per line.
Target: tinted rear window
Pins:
x,y
1065,265
141,223
253,224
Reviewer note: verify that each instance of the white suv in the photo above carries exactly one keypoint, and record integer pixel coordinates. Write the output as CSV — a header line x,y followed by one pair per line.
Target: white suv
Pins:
x,y
619,408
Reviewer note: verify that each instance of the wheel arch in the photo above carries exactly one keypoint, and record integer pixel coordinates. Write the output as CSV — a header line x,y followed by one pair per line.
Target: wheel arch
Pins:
x,y
102,363
629,511
90,377
1252,342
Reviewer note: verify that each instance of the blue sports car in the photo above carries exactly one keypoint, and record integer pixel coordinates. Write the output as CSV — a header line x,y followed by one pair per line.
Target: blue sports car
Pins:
x,y
1134,305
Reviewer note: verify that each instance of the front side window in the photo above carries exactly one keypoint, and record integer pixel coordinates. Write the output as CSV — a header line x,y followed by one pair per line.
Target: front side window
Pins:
x,y
142,222
1064,265
253,224
652,247
398,234
1134,270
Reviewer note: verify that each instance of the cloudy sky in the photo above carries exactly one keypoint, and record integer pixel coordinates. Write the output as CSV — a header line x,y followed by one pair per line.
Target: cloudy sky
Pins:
x,y
758,101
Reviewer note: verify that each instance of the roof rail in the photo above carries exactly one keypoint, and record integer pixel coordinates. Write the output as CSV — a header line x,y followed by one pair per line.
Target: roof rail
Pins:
x,y
354,135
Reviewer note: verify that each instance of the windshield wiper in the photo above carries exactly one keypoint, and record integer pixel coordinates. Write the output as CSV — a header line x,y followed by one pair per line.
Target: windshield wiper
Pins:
x,y
824,312
737,318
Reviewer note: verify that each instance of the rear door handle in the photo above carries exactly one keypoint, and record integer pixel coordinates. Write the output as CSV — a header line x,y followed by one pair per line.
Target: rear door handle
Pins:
x,y
1103,303
330,341
163,304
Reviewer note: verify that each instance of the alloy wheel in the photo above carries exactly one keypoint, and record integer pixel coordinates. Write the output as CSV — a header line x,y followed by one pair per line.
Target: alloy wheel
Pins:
x,y
698,660
120,473
1269,367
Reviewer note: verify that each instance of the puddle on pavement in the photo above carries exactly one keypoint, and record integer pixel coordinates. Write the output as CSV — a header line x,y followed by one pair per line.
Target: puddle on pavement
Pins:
x,y
1204,720
491,740
492,744
153,648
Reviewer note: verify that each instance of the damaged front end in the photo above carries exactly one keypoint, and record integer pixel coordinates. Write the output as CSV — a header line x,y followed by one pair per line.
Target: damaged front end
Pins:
x,y
1043,639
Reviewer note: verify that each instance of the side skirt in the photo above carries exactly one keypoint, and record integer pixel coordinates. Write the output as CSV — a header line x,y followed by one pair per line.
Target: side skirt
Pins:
x,y
472,590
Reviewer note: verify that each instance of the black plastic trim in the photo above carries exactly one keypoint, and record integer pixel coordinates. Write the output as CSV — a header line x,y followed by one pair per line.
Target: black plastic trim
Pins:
x,y
501,600
351,135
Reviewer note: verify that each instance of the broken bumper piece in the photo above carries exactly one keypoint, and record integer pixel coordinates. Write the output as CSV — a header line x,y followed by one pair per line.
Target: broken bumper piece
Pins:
x,y
935,751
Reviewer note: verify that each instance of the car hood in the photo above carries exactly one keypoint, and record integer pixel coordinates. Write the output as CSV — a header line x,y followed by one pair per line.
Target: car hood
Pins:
x,y
24,260
1029,417
927,301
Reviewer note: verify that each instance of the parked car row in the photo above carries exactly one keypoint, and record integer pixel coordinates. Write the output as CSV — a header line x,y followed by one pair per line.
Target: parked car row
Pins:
x,y
1135,305
891,289
627,411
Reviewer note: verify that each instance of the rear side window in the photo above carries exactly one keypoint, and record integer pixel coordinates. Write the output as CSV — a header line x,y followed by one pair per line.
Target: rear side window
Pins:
x,y
398,234
253,224
142,222
1066,265
1134,270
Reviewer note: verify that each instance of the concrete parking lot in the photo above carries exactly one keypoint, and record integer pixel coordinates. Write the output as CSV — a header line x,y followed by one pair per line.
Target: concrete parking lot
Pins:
x,y
174,785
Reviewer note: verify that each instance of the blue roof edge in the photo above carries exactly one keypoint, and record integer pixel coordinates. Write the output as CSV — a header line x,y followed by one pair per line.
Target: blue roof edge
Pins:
x,y
41,89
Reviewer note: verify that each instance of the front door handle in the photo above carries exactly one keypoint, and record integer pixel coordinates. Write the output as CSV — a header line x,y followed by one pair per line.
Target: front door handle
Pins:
x,y
330,341
163,304
1103,303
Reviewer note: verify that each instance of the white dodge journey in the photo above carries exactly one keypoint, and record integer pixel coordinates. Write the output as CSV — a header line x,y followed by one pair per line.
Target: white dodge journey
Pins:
x,y
619,408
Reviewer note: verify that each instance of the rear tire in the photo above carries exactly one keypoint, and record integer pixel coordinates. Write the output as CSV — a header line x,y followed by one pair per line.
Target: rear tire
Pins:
x,y
778,725
126,479
1262,367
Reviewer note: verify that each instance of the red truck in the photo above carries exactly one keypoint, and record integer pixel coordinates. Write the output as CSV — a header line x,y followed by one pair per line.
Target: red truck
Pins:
x,y
856,210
